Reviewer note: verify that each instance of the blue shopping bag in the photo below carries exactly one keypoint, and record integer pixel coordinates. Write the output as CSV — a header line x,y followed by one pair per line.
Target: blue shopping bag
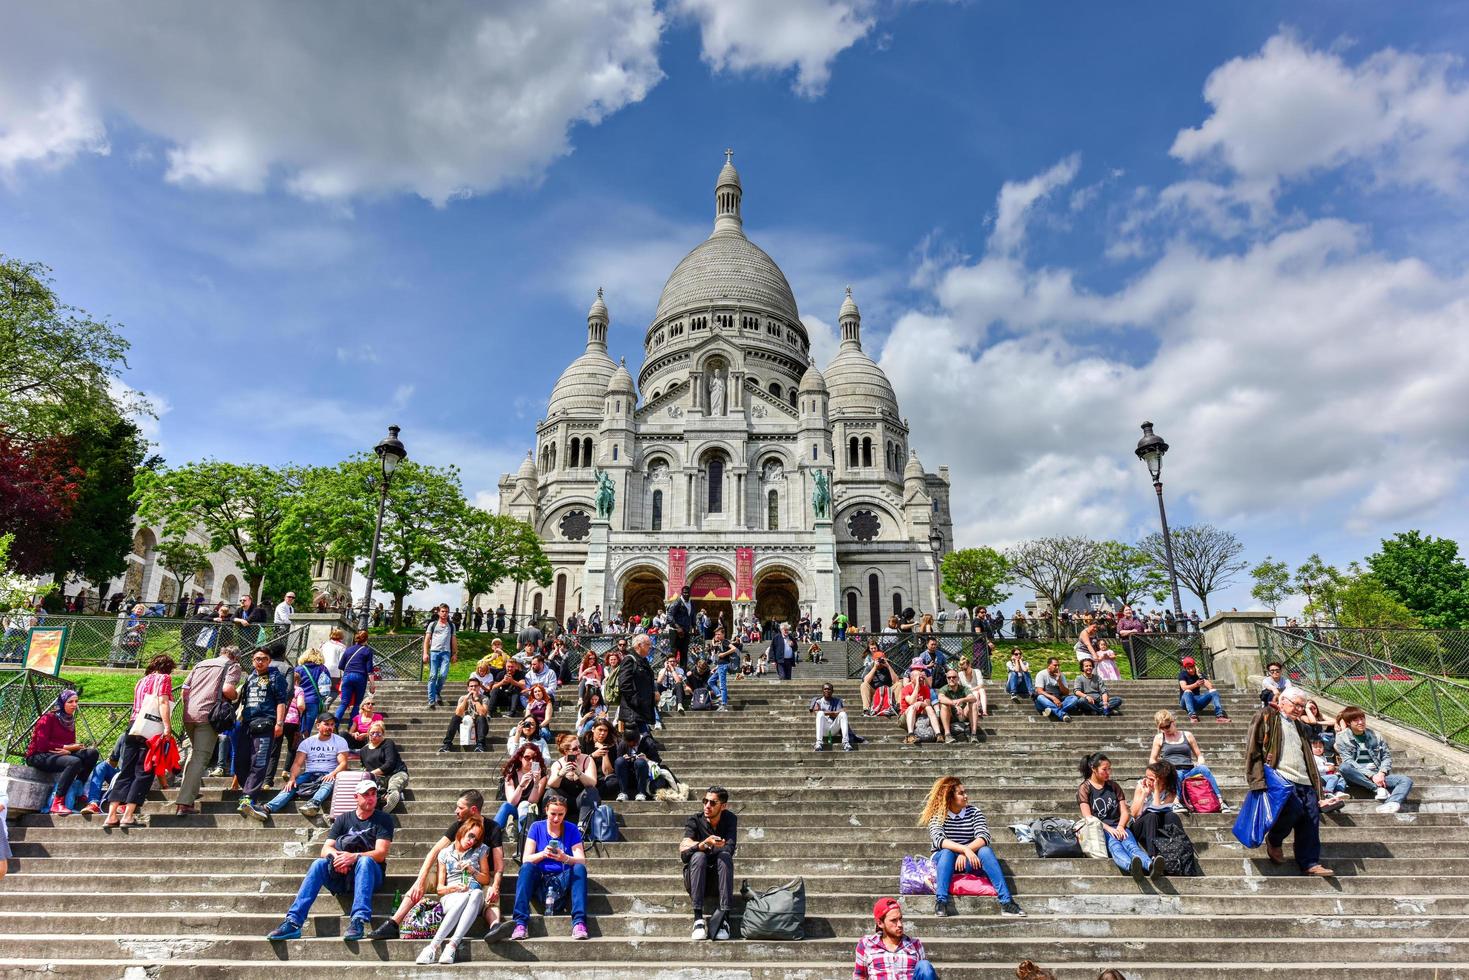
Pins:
x,y
1260,809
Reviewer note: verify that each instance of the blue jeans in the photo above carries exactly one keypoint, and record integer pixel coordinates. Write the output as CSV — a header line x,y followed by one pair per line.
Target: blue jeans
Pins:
x,y
1398,786
1198,771
1124,850
1019,685
1106,704
362,881
1067,703
719,683
308,718
320,797
354,688
1193,703
1333,783
259,756
438,672
943,863
532,881
104,771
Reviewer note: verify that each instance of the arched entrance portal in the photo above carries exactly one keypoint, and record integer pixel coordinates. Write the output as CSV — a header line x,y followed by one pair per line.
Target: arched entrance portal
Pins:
x,y
710,591
777,597
643,593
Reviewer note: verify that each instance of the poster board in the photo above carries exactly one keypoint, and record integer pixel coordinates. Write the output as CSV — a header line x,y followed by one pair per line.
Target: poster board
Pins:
x,y
45,647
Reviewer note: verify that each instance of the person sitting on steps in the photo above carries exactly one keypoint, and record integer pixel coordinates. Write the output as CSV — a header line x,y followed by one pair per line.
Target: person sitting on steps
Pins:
x,y
524,779
528,731
710,838
601,746
632,764
957,703
55,748
1333,785
961,843
1018,680
319,760
1181,750
381,760
878,672
574,778
1366,761
890,953
971,677
831,718
463,873
1091,692
474,706
671,679
1098,796
1195,691
553,867
917,698
1053,698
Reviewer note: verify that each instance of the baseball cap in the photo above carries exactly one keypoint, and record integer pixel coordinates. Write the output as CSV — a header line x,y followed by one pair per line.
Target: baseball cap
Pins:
x,y
1188,661
884,906
364,787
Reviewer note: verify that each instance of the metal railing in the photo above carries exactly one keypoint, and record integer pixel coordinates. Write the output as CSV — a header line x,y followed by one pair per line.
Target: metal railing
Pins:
x,y
1160,655
1435,705
903,647
27,694
1442,652
128,641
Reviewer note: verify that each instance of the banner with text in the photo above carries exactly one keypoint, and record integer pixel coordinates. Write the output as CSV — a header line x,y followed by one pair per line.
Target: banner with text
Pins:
x,y
744,574
678,569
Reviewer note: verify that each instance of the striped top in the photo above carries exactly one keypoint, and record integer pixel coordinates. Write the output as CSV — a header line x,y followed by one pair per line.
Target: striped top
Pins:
x,y
961,828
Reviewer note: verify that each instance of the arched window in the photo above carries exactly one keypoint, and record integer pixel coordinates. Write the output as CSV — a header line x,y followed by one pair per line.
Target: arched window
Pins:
x,y
575,453
791,396
657,510
586,451
614,454
774,388
851,607
772,511
716,486
888,456
535,606
897,603
560,597
852,452
813,452
553,455
866,452
874,602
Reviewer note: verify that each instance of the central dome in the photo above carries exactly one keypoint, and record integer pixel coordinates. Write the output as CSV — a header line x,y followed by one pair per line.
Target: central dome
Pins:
x,y
728,269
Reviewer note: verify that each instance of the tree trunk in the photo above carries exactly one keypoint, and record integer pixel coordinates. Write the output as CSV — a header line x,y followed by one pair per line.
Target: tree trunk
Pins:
x,y
255,581
398,598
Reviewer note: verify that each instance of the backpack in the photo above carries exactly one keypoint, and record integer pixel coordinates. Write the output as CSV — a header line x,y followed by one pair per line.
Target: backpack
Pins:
x,y
924,731
882,701
701,700
611,689
1199,796
602,827
777,913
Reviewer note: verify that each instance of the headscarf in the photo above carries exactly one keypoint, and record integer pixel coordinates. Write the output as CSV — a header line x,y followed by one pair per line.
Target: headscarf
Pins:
x,y
68,722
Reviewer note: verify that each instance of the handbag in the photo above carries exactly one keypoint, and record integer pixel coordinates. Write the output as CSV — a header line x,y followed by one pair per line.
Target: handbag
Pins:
x,y
1199,796
466,730
1092,837
967,884
1259,810
917,876
1055,837
150,718
776,913
222,716
923,730
424,919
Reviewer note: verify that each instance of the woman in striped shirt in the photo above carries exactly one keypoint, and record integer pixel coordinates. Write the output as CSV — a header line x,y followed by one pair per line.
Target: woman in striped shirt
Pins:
x,y
961,842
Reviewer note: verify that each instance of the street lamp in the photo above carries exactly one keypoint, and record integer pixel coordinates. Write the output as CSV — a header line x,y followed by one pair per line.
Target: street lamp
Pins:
x,y
936,545
1151,449
390,453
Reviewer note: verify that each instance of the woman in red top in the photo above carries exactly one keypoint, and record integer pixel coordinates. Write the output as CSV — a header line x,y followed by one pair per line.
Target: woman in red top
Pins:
x,y
133,779
917,696
54,748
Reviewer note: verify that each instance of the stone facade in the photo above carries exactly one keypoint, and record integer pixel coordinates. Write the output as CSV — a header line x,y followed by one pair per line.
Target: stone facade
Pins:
x,y
723,452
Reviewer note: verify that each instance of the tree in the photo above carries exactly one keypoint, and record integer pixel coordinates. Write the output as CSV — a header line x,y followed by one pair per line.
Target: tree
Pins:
x,y
1314,579
1364,602
1205,558
182,559
93,542
1272,582
1054,566
1127,574
239,508
57,363
1427,576
492,548
39,485
16,588
973,577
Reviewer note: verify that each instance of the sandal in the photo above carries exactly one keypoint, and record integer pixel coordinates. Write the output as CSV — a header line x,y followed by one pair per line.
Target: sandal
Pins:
x,y
911,739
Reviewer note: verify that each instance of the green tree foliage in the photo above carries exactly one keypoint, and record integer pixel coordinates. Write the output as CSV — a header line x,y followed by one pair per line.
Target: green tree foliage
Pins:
x,y
93,543
974,577
1127,574
1272,582
57,363
1205,558
1316,580
492,548
1363,601
240,508
182,559
1427,576
16,588
1054,566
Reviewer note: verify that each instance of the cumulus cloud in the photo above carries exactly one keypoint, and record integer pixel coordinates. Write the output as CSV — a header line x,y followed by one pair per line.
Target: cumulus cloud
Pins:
x,y
331,99
1018,197
1291,110
779,35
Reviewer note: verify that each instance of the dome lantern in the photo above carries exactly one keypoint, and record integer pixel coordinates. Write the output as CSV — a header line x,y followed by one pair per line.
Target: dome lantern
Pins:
x,y
850,319
727,193
597,320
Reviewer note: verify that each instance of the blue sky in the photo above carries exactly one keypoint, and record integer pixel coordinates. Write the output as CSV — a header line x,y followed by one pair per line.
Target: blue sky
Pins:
x,y
1243,221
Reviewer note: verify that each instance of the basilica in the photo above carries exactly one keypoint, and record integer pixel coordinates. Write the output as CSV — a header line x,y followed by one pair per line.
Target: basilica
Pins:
x,y
731,464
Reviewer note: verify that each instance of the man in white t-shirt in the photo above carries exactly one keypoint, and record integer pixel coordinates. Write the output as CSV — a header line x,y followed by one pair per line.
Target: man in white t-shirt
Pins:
x,y
286,610
318,761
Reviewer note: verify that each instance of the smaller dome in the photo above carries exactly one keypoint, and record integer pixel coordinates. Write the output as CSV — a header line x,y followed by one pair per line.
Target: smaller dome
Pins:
x,y
599,308
858,386
728,175
812,382
914,469
621,383
849,306
583,385
527,469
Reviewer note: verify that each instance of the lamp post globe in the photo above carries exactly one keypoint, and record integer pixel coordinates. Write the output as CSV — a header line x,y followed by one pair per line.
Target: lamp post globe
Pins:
x,y
1151,449
390,453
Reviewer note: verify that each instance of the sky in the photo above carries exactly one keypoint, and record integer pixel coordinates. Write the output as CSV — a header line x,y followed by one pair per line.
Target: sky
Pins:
x,y
1242,222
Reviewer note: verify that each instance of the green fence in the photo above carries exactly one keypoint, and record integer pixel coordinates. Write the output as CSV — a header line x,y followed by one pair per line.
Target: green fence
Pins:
x,y
1442,652
1159,656
127,641
26,694
901,648
1435,705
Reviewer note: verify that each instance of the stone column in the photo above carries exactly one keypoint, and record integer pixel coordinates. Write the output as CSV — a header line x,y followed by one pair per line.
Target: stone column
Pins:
x,y
319,626
824,567
1230,639
594,582
689,502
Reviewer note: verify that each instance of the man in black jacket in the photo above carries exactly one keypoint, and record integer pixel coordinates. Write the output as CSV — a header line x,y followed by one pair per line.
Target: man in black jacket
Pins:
x,y
681,621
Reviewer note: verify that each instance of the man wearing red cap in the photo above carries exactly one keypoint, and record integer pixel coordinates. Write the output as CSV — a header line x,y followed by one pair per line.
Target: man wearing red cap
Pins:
x,y
888,954
1196,691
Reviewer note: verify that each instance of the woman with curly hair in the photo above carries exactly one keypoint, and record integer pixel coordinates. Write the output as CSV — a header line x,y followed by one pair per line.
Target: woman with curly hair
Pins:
x,y
961,842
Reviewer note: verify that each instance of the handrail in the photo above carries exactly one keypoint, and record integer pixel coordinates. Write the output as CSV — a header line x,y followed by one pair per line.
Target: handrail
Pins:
x,y
1434,705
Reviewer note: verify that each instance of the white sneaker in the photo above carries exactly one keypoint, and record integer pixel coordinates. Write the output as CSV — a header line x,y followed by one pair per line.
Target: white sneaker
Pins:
x,y
621,797
1391,806
450,952
701,931
429,954
1046,712
641,798
1382,793
657,726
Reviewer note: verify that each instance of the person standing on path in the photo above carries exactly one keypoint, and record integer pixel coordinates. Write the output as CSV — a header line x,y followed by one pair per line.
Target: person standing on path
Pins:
x,y
285,610
210,682
440,649
783,652
1279,739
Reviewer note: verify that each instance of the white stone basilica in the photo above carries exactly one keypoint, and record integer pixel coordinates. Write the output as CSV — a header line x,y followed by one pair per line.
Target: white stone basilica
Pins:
x,y
716,467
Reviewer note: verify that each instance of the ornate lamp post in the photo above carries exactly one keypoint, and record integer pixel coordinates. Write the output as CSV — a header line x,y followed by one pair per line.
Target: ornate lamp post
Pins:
x,y
936,545
390,453
1150,449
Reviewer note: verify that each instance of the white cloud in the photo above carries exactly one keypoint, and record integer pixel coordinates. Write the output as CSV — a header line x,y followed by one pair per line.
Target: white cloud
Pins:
x,y
48,125
332,100
1291,110
779,35
1017,198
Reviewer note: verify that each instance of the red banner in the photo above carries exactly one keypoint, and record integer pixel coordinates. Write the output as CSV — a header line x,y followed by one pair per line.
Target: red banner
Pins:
x,y
709,586
744,574
678,569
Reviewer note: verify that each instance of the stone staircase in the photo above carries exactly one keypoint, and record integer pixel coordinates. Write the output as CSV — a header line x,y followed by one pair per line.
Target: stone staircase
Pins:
x,y
194,896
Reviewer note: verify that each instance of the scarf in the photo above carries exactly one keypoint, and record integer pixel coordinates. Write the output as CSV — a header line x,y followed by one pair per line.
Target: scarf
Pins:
x,y
67,721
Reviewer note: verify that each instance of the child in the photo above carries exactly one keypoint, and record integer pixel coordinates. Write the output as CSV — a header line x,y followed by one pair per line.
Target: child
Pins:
x,y
1333,785
748,667
764,666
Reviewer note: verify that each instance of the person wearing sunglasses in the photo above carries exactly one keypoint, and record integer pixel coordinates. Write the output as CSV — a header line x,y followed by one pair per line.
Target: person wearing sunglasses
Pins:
x,y
709,838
